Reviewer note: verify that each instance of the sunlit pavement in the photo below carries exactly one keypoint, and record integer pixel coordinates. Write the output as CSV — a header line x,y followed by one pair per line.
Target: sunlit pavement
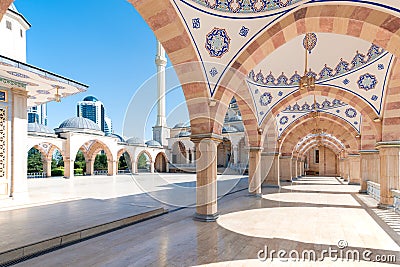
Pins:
x,y
299,216
55,190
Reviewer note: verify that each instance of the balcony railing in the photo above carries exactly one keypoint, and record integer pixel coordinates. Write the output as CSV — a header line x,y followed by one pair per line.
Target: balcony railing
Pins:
x,y
36,175
374,190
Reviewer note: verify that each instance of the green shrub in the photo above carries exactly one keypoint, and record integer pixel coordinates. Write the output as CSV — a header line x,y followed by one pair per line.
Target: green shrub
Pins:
x,y
78,171
57,172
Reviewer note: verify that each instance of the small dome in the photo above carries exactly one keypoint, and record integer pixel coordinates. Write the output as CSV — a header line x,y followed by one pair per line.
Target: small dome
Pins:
x,y
120,139
236,118
182,125
229,129
179,125
79,123
90,98
184,134
135,141
153,143
35,127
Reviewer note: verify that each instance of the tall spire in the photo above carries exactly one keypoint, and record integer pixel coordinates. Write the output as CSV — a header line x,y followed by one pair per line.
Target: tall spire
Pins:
x,y
160,130
161,62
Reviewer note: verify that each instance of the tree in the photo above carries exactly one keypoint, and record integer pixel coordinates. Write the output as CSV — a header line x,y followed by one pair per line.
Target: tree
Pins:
x,y
57,160
80,162
35,162
122,163
142,162
100,163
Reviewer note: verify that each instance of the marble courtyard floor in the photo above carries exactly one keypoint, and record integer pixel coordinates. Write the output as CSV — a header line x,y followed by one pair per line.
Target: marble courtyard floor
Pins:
x,y
313,213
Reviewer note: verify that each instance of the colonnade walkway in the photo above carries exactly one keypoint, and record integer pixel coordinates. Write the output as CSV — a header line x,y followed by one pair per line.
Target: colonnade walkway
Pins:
x,y
307,216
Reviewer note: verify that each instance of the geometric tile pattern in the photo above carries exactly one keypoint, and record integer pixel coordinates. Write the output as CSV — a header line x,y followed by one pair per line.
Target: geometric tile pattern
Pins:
x,y
3,142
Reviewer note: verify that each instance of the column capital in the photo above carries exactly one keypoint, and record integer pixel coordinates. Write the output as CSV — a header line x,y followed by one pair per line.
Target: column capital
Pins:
x,y
197,138
255,148
270,153
369,151
388,144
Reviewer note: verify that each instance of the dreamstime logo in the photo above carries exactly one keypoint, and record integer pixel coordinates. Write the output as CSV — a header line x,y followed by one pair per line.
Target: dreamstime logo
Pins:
x,y
339,253
205,113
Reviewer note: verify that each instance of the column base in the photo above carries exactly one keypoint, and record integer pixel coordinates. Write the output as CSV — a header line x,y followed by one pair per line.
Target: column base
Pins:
x,y
353,183
298,177
385,206
258,195
271,186
364,192
289,181
20,196
206,217
294,179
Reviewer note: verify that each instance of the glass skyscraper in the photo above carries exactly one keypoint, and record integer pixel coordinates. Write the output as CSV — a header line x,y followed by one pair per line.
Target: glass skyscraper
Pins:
x,y
93,109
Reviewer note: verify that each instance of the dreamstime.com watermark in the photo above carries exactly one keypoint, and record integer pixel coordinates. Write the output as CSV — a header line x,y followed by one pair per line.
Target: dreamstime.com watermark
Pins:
x,y
338,253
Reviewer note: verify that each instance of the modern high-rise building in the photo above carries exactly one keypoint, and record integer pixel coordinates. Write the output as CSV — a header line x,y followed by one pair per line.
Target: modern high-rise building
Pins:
x,y
38,114
13,29
108,129
93,109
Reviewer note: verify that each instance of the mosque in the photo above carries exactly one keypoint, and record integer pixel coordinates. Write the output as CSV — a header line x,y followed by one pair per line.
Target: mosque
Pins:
x,y
301,96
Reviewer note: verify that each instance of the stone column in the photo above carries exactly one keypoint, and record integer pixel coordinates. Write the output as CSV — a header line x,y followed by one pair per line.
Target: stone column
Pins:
x,y
19,140
235,149
354,169
346,167
285,168
322,168
89,167
271,161
112,167
187,156
370,168
341,167
47,167
134,166
206,169
152,167
69,168
299,168
389,153
255,180
293,174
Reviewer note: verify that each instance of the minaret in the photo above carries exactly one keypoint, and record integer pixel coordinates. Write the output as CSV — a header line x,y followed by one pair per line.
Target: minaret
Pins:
x,y
160,130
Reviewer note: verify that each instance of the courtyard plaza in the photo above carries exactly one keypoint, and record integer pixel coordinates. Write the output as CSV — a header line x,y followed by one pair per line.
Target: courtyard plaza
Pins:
x,y
312,213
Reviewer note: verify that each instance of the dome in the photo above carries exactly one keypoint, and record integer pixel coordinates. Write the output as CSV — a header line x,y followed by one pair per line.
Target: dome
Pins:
x,y
153,143
79,123
182,125
90,98
229,129
35,127
120,139
184,134
179,125
236,118
135,141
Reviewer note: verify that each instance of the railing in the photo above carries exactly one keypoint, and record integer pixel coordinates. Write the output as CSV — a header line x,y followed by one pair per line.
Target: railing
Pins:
x,y
374,190
396,200
100,172
239,167
124,171
36,175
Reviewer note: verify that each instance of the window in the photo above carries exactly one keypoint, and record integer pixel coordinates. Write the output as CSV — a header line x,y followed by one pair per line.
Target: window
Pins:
x,y
316,156
8,25
21,33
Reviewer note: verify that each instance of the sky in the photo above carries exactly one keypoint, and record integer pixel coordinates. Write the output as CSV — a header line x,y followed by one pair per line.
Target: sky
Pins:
x,y
106,45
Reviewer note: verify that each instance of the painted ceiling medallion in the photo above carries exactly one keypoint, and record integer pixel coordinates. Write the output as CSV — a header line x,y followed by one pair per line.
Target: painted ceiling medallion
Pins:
x,y
217,42
351,113
367,82
310,41
265,99
246,6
